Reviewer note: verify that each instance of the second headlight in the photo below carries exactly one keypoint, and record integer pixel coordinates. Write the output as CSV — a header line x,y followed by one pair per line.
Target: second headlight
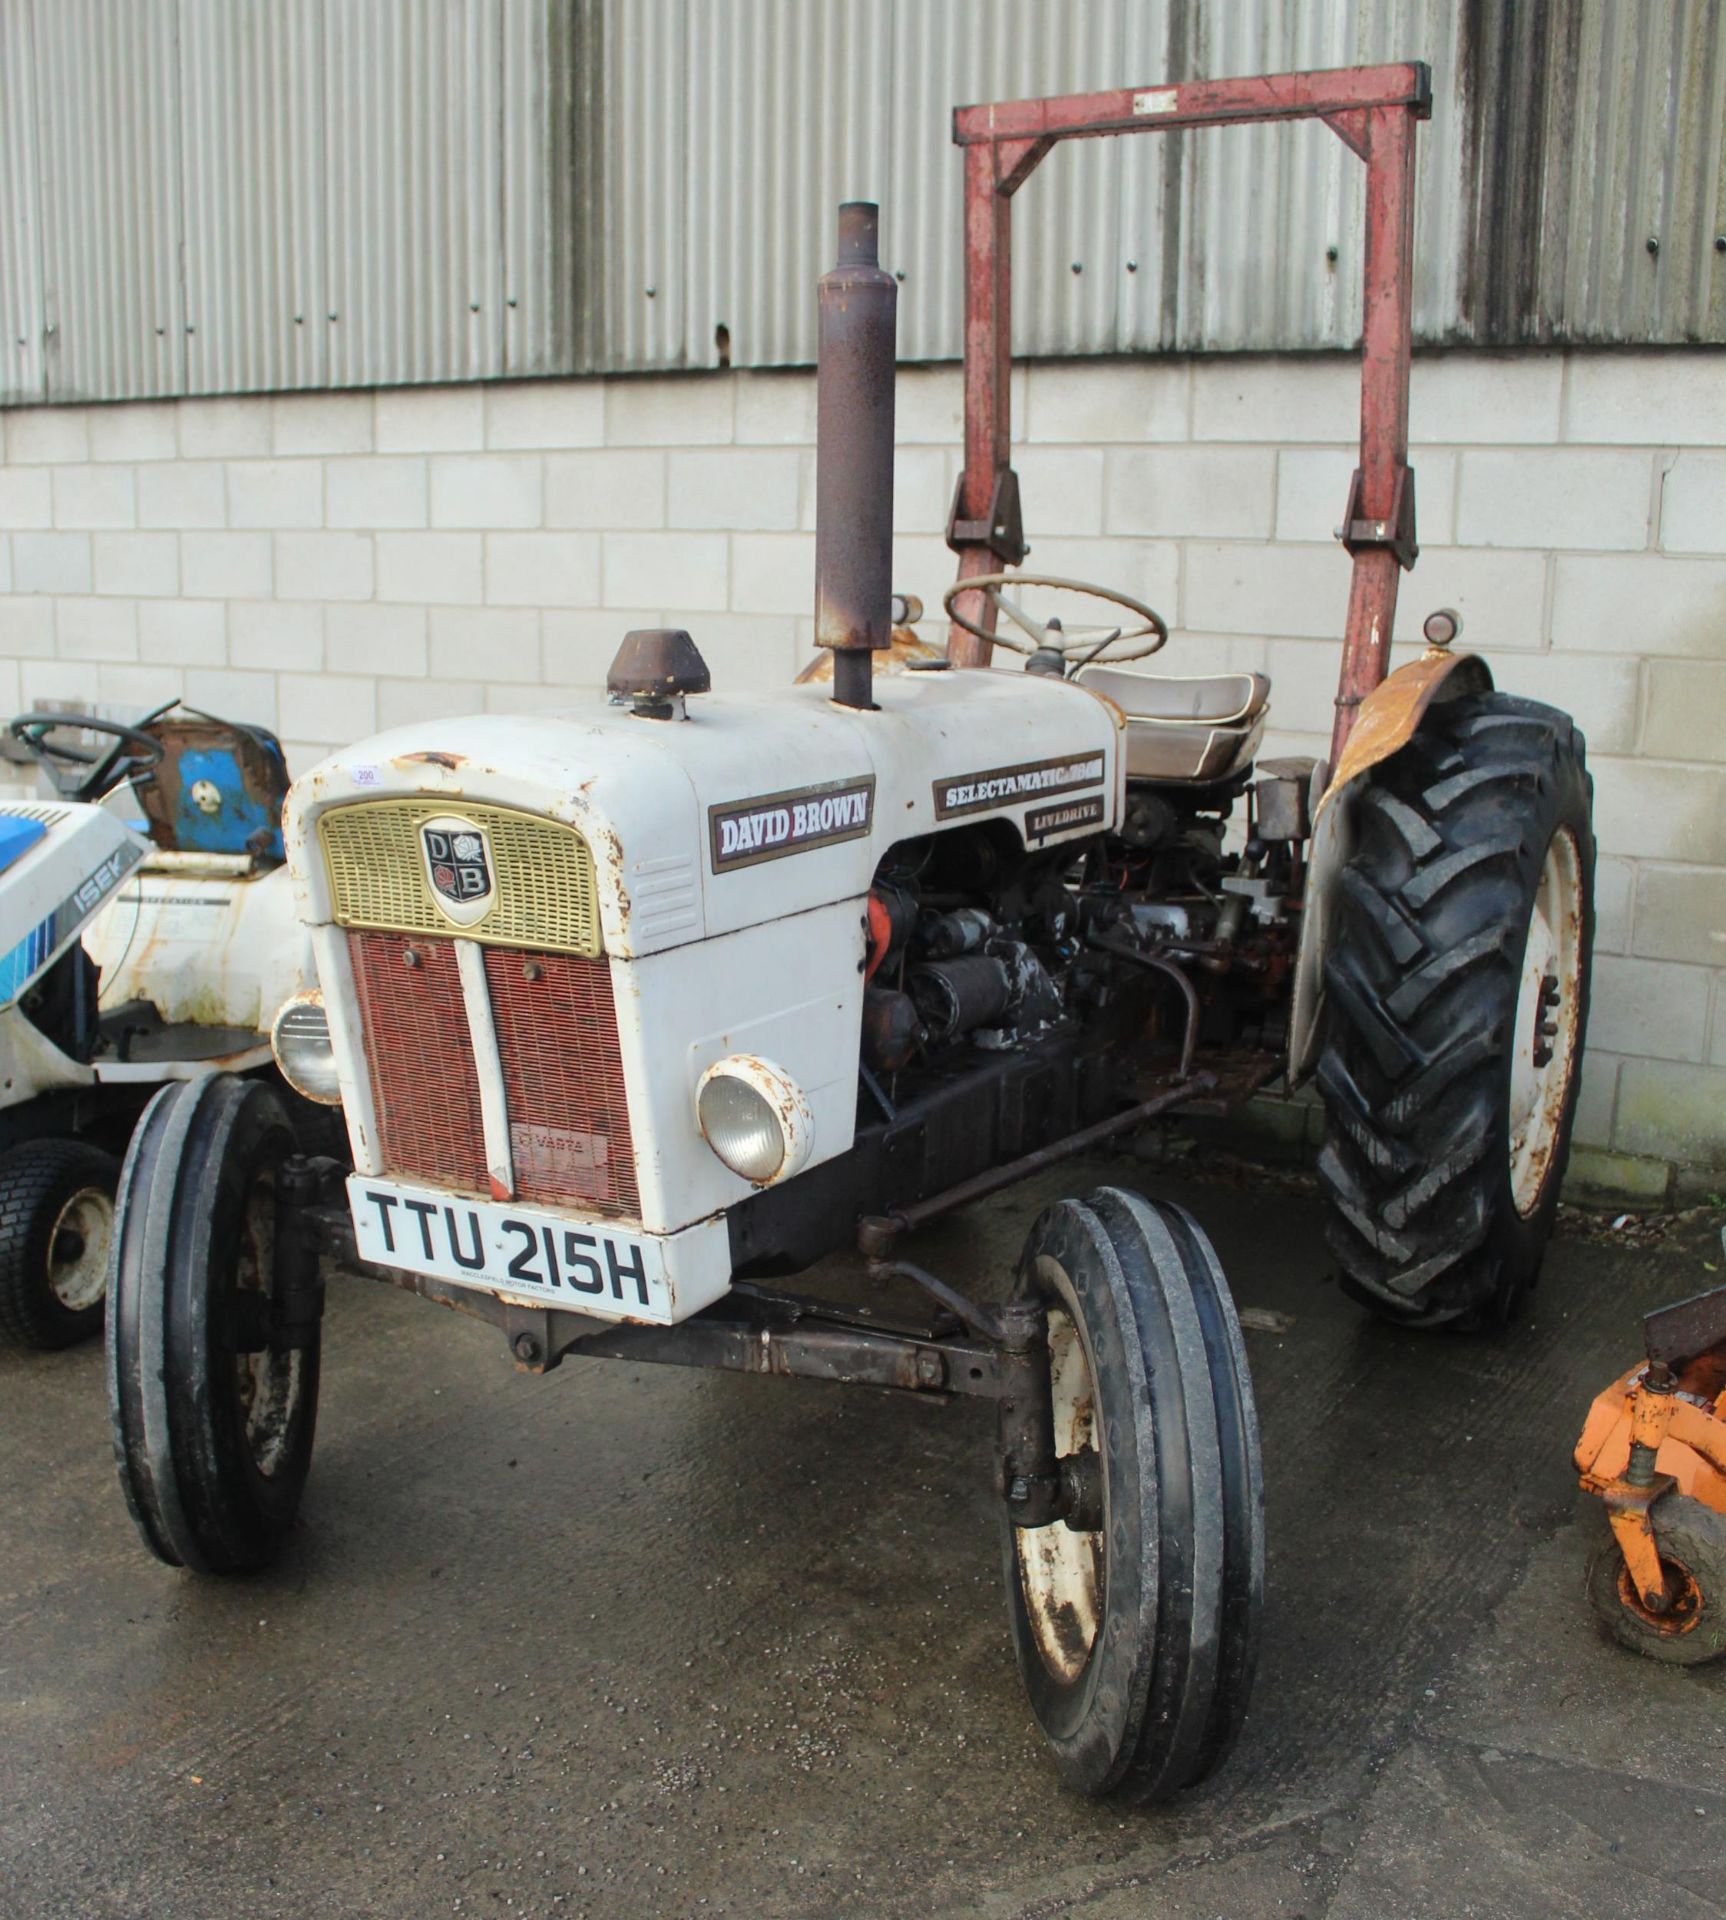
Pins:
x,y
755,1118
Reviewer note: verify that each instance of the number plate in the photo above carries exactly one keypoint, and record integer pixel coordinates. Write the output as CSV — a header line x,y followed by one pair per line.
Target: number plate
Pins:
x,y
524,1253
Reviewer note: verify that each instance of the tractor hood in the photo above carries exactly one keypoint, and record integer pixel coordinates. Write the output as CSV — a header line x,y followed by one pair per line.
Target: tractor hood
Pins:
x,y
754,808
62,862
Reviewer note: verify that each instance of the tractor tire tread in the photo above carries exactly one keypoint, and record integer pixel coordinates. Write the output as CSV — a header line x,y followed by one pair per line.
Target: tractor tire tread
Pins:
x,y
1421,989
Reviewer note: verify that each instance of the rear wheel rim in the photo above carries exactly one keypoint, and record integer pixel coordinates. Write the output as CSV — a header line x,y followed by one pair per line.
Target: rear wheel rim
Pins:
x,y
78,1249
1061,1572
1548,1014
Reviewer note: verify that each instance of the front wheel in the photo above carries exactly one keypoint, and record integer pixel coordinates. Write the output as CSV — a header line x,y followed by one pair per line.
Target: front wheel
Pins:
x,y
1691,1541
1456,1006
56,1220
213,1339
1137,1634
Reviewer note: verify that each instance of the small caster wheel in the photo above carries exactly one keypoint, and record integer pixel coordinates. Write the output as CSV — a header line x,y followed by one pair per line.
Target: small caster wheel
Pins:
x,y
1691,1540
56,1226
212,1373
1137,1638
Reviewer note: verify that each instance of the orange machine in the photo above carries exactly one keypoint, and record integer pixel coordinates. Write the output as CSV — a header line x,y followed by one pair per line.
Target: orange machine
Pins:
x,y
1654,1449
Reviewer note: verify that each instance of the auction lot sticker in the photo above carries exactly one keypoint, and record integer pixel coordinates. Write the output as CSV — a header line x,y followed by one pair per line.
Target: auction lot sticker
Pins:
x,y
776,824
1005,786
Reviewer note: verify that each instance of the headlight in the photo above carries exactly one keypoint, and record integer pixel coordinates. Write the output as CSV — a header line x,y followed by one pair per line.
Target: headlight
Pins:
x,y
755,1118
300,1040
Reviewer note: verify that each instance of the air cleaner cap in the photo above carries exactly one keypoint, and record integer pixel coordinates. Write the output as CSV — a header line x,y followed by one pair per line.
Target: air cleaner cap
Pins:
x,y
655,668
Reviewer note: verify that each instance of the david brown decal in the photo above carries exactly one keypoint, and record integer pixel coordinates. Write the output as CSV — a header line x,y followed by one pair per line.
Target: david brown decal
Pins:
x,y
1043,821
1002,786
459,866
775,824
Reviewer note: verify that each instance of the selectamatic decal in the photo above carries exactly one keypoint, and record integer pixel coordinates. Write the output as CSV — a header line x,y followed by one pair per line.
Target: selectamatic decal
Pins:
x,y
1041,822
1003,786
776,824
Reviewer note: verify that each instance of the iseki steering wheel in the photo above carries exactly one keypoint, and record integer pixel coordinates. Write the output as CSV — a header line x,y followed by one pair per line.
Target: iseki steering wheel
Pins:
x,y
83,773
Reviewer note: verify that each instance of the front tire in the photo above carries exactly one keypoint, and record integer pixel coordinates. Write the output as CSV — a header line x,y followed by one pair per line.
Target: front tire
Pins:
x,y
1691,1541
56,1223
1456,991
213,1400
1137,1640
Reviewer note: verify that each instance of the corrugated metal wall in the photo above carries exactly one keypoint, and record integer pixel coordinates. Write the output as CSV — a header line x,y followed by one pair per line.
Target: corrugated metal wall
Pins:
x,y
113,317
202,196
21,303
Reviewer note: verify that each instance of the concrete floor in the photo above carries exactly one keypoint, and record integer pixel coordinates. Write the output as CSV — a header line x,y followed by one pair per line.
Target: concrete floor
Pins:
x,y
632,1641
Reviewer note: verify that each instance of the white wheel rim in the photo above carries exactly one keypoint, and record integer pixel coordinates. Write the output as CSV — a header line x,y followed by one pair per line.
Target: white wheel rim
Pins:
x,y
78,1249
1060,1571
1543,1056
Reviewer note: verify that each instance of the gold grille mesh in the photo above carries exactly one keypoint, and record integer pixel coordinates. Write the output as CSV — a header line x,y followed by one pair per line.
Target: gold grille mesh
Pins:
x,y
544,888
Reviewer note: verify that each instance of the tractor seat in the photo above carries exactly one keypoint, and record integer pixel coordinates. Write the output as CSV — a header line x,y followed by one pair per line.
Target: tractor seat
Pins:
x,y
1190,730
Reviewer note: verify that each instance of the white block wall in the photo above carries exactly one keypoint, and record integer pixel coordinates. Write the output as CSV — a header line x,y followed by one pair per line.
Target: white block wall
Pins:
x,y
332,564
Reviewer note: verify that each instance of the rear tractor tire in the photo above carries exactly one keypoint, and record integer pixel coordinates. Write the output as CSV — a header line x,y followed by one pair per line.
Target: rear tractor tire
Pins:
x,y
1136,1626
56,1226
1456,1006
213,1342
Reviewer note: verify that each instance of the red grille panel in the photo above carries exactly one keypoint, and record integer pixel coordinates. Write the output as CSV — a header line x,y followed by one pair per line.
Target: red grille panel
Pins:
x,y
421,1059
563,1076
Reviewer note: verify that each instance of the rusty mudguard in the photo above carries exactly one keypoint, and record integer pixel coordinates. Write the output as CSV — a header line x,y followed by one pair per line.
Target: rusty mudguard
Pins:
x,y
1387,720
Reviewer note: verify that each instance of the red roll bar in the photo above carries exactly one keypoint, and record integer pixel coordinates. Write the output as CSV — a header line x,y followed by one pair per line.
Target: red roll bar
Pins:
x,y
1373,111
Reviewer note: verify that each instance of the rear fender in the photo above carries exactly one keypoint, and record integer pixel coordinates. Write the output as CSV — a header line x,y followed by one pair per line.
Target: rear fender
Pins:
x,y
1388,718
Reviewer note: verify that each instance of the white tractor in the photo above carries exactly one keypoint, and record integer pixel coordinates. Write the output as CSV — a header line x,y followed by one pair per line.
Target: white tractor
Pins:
x,y
634,1009
126,959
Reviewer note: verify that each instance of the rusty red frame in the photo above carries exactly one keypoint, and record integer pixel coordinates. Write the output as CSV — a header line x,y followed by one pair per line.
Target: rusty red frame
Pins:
x,y
1373,111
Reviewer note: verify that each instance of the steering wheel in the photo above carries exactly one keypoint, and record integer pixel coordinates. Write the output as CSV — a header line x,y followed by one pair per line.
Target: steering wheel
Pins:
x,y
80,773
1051,636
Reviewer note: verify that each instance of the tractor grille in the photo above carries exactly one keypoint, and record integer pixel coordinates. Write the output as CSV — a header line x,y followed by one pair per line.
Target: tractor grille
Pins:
x,y
563,1076
544,887
563,1080
417,1046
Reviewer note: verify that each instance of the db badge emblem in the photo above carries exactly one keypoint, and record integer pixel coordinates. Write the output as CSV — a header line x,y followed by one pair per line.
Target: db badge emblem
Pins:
x,y
458,865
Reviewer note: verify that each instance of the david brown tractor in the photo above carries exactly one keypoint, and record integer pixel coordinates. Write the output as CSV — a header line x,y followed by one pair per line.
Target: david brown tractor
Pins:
x,y
635,1009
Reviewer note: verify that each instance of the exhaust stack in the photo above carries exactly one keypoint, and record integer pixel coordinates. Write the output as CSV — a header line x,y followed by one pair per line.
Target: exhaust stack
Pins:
x,y
858,304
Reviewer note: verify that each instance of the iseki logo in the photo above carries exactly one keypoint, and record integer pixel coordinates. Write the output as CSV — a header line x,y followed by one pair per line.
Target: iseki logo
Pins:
x,y
458,865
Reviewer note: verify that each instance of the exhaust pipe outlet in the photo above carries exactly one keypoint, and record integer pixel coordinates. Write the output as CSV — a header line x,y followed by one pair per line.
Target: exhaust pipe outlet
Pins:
x,y
858,304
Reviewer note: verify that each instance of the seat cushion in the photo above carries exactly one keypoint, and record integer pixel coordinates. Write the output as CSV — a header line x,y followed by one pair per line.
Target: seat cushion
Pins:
x,y
1188,730
1211,699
